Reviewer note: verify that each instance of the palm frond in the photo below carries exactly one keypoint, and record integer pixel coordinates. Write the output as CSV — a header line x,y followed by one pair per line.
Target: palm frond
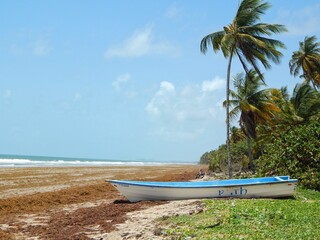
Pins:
x,y
260,29
307,60
213,39
234,113
250,11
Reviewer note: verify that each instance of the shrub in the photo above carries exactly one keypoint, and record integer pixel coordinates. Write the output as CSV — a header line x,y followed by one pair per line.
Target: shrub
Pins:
x,y
295,153
217,159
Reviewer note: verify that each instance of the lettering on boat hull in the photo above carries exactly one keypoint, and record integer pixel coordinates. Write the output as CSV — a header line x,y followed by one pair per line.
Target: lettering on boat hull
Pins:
x,y
232,192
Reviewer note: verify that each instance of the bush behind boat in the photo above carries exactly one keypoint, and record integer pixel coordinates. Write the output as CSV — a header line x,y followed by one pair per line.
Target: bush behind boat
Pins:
x,y
293,151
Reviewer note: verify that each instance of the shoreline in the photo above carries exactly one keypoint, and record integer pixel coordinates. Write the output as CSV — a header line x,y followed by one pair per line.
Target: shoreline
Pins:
x,y
34,202
26,161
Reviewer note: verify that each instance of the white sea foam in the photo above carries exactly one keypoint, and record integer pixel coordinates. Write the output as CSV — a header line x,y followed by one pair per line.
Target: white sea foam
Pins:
x,y
15,161
59,162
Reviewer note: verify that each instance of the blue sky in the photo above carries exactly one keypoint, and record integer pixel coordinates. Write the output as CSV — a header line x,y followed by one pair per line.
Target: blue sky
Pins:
x,y
124,79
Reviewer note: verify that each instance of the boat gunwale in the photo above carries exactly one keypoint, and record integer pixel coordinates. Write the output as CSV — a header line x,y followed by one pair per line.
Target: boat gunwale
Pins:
x,y
142,184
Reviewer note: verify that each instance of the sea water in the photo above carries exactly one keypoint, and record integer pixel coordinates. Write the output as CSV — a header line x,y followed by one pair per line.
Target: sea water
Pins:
x,y
42,161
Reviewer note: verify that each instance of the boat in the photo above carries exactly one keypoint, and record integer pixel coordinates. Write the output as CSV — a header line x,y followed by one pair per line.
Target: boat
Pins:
x,y
265,187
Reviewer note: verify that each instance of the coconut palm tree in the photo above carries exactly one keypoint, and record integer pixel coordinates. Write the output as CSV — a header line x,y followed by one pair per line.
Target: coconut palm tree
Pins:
x,y
300,107
307,59
281,98
305,101
246,38
253,105
303,105
236,134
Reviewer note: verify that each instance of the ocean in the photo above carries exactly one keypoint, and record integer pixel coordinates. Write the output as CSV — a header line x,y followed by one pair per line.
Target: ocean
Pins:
x,y
7,161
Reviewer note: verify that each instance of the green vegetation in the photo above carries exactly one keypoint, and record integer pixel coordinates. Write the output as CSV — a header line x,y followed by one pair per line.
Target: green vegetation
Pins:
x,y
217,159
251,219
248,39
295,153
282,132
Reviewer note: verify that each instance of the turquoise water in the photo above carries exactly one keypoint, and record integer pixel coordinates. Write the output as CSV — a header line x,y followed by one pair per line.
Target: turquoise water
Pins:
x,y
42,161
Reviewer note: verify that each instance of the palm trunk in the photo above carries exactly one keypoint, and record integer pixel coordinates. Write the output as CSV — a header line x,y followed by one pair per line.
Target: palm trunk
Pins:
x,y
251,165
228,117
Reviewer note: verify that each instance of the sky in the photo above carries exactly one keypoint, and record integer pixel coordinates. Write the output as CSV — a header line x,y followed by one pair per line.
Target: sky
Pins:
x,y
125,79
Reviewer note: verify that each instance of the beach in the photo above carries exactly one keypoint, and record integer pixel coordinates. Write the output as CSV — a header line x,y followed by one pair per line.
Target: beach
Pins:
x,y
78,203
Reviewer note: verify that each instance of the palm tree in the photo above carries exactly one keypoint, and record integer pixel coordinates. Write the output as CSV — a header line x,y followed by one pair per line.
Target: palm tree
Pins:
x,y
307,59
281,98
253,104
245,38
236,134
305,101
299,108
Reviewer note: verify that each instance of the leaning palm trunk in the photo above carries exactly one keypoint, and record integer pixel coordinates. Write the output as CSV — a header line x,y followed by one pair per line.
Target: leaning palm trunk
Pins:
x,y
228,117
251,165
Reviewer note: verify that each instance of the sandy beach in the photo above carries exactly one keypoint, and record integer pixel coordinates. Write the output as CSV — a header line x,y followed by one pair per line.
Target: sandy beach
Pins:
x,y
77,202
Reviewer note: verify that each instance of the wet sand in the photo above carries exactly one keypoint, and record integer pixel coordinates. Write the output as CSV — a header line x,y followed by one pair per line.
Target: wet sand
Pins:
x,y
73,202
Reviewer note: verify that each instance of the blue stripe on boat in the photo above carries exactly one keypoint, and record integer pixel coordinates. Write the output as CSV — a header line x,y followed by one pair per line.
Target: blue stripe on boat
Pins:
x,y
208,184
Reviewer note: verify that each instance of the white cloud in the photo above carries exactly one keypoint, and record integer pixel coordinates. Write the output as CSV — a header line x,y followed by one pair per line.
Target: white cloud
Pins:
x,y
142,42
166,87
41,48
178,134
302,22
7,94
152,108
121,85
212,85
181,112
122,79
191,102
161,99
131,94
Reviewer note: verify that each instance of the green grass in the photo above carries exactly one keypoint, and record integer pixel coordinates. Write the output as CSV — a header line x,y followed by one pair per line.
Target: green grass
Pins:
x,y
297,218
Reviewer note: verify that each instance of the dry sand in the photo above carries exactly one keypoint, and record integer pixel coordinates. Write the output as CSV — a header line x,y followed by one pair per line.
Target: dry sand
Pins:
x,y
142,225
77,203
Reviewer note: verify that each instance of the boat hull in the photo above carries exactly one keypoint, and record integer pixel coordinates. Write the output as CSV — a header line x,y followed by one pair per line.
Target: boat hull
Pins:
x,y
153,191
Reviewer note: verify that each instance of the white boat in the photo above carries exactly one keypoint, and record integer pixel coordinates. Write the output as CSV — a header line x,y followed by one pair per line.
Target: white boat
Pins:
x,y
266,187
